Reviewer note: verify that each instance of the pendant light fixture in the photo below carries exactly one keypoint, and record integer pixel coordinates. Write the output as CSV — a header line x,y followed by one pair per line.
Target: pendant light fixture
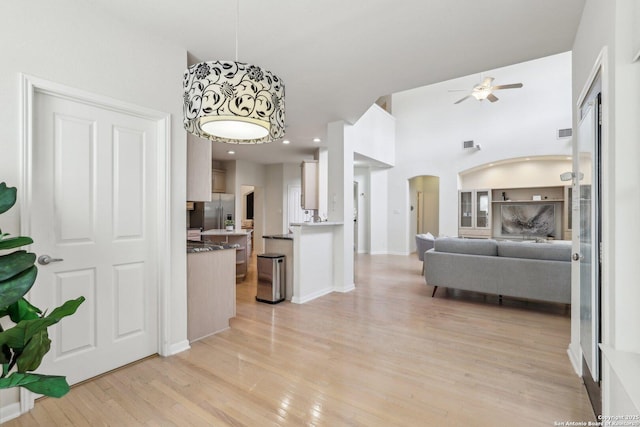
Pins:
x,y
233,102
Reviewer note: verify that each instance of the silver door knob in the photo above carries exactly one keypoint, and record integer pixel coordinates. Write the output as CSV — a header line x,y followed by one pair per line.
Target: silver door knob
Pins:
x,y
575,257
46,259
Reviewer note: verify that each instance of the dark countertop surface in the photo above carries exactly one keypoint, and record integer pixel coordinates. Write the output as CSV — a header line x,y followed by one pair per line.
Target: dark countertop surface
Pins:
x,y
196,247
279,236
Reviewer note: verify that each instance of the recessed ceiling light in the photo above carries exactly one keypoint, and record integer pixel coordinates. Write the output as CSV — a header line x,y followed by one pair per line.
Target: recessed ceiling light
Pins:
x,y
569,158
527,159
317,140
491,164
231,152
286,141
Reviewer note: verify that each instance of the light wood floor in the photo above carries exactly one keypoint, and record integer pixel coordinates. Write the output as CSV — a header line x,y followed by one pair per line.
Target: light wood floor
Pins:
x,y
386,354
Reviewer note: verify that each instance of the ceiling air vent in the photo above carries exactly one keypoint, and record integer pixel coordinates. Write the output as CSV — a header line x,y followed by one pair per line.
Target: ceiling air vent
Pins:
x,y
564,133
467,144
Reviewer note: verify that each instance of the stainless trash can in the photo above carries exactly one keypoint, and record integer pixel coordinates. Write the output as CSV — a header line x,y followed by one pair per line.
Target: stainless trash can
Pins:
x,y
271,278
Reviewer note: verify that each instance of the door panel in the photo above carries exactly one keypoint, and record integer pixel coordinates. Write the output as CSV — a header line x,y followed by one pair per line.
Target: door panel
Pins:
x,y
79,335
129,189
75,147
94,192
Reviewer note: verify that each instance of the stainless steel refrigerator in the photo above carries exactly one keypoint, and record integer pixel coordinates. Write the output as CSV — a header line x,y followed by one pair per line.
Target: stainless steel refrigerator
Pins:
x,y
212,215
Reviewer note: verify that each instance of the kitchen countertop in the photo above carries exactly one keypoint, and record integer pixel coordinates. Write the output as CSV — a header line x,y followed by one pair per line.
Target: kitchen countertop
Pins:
x,y
222,232
316,224
197,247
279,236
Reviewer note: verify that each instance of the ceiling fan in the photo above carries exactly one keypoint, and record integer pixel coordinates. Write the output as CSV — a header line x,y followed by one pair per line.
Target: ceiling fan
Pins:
x,y
484,90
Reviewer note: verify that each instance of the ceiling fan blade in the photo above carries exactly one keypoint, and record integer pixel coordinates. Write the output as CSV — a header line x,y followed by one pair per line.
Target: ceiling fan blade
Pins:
x,y
487,81
491,97
511,86
459,101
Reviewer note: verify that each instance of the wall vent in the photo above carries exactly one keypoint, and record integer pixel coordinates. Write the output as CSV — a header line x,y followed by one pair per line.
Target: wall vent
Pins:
x,y
467,144
565,133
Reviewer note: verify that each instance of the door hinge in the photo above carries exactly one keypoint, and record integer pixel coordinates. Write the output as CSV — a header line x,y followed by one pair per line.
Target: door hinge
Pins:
x,y
600,116
600,252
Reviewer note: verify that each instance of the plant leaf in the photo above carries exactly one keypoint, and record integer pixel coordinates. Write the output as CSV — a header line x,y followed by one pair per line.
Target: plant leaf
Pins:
x,y
22,310
49,385
7,197
5,355
15,242
14,263
13,289
34,351
18,336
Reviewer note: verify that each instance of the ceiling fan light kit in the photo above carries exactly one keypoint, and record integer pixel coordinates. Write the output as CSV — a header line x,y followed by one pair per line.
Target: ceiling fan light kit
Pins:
x,y
233,102
485,90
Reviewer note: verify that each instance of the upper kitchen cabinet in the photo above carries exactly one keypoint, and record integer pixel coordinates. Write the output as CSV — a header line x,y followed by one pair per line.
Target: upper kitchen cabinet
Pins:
x,y
198,169
218,181
310,193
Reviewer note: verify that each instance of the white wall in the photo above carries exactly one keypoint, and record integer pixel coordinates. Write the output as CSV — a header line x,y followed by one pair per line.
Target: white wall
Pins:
x,y
241,173
374,135
378,211
616,26
73,43
430,130
274,199
537,172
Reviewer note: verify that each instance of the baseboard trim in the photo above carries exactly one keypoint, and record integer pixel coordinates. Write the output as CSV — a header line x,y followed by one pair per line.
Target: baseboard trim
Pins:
x,y
350,288
312,296
399,253
9,412
577,366
178,348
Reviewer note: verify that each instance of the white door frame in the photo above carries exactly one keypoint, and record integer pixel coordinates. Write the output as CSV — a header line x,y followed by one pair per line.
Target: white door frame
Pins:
x,y
29,85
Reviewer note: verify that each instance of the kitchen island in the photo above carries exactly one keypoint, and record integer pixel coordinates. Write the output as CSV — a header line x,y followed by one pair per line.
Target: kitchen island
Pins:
x,y
318,263
242,238
211,288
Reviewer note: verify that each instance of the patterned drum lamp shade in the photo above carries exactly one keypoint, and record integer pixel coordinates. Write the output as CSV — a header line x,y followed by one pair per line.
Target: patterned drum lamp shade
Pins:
x,y
233,102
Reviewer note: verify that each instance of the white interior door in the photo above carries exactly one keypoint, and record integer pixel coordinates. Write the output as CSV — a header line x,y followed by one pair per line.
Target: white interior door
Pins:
x,y
295,213
94,194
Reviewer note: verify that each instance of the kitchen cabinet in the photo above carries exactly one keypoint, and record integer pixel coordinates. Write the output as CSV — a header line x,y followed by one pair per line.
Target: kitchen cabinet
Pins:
x,y
474,214
309,198
198,169
218,181
240,237
211,292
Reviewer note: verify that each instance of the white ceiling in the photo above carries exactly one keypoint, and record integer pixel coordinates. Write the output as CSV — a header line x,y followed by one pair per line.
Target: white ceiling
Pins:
x,y
337,57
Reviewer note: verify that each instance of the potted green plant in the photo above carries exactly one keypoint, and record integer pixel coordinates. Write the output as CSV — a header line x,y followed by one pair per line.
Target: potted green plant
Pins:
x,y
229,224
25,343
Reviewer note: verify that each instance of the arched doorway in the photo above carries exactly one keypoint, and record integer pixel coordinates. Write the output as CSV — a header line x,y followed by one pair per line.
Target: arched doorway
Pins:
x,y
424,194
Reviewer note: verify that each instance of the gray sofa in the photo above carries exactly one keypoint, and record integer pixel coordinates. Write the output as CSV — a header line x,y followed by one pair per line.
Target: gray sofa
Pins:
x,y
537,271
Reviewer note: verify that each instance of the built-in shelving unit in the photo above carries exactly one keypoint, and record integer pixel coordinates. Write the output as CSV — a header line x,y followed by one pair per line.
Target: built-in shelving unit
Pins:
x,y
477,220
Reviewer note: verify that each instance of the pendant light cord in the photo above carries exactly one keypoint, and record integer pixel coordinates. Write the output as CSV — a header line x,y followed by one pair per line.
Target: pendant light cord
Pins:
x,y
237,25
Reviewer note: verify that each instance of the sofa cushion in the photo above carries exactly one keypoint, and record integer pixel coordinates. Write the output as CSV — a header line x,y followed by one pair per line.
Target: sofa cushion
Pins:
x,y
487,247
530,250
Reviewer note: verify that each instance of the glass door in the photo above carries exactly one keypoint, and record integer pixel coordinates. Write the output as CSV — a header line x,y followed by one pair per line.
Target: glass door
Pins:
x,y
466,209
483,206
589,237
